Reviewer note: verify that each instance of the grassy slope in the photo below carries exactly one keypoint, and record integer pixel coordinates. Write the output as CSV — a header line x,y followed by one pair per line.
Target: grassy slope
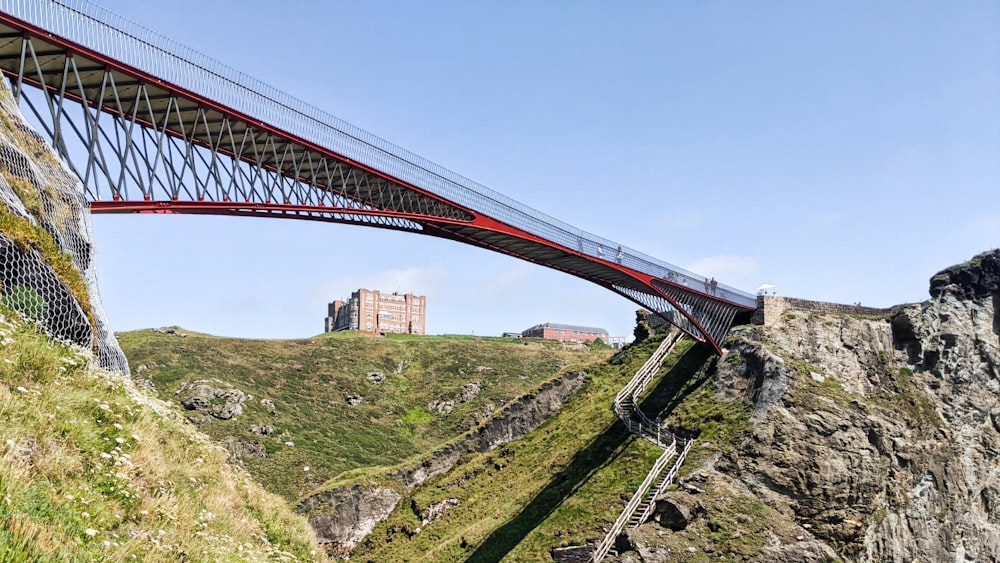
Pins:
x,y
91,469
560,485
308,380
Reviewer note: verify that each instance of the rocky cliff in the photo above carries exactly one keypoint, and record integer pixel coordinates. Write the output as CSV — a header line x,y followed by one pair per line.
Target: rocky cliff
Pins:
x,y
874,438
345,516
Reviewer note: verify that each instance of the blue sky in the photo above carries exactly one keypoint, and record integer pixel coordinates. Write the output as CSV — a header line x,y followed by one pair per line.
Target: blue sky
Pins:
x,y
843,151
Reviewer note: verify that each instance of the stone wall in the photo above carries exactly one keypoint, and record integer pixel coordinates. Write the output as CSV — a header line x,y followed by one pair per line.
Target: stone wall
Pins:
x,y
771,309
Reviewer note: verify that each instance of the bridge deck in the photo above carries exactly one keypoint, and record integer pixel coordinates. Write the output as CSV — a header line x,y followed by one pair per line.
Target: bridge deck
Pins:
x,y
162,128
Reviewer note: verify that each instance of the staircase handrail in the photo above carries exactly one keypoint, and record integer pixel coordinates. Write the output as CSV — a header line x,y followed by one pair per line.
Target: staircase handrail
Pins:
x,y
666,480
601,551
648,369
625,404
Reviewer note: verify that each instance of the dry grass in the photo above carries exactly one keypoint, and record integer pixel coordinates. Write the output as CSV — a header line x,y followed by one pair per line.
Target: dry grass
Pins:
x,y
92,469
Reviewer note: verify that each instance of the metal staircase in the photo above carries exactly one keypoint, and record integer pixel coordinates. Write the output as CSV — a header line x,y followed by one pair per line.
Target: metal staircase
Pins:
x,y
641,505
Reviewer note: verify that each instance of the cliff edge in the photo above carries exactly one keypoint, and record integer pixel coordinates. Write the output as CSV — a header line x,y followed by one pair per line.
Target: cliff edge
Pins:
x,y
874,438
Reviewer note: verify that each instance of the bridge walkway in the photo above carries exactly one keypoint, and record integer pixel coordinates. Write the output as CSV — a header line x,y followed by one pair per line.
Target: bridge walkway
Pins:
x,y
152,126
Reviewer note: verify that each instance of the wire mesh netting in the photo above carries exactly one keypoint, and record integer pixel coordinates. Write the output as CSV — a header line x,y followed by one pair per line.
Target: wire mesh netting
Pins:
x,y
43,203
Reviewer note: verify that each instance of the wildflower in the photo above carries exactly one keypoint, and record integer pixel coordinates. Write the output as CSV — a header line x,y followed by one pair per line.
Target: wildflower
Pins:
x,y
290,444
105,455
135,437
119,440
84,515
305,468
117,426
21,389
90,532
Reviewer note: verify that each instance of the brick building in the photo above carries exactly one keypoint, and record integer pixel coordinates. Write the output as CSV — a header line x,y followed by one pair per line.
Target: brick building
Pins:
x,y
373,312
566,333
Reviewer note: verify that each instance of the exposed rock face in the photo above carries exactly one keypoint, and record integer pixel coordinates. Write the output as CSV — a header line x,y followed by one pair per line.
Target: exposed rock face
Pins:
x,y
344,517
37,187
364,505
441,407
519,418
675,510
798,552
572,554
470,390
527,413
240,450
211,398
976,279
874,439
431,513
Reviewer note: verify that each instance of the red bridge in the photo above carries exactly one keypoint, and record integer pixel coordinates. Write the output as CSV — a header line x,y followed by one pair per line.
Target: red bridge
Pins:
x,y
151,126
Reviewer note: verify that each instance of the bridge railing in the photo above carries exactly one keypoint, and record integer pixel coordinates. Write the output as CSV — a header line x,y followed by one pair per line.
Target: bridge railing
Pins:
x,y
118,38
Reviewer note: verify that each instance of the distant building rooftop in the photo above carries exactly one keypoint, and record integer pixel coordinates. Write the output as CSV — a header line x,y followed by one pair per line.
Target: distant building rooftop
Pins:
x,y
574,328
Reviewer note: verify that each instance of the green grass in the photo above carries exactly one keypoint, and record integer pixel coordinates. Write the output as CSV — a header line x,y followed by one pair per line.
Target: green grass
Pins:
x,y
734,527
93,470
27,235
308,380
562,484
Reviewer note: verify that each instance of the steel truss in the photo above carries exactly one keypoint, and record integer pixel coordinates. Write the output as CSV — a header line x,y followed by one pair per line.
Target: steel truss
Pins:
x,y
142,144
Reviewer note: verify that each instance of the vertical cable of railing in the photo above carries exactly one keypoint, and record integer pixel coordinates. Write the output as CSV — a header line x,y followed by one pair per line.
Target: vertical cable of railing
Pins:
x,y
97,28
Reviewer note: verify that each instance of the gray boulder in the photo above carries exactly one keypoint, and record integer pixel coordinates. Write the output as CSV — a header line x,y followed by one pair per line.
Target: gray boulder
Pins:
x,y
211,397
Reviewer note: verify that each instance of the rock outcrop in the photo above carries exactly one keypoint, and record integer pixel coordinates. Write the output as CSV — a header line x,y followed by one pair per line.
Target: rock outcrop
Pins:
x,y
345,516
976,279
45,219
211,399
874,437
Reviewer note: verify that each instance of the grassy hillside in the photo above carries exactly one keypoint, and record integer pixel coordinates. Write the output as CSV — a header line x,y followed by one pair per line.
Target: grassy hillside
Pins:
x,y
93,470
564,483
310,381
